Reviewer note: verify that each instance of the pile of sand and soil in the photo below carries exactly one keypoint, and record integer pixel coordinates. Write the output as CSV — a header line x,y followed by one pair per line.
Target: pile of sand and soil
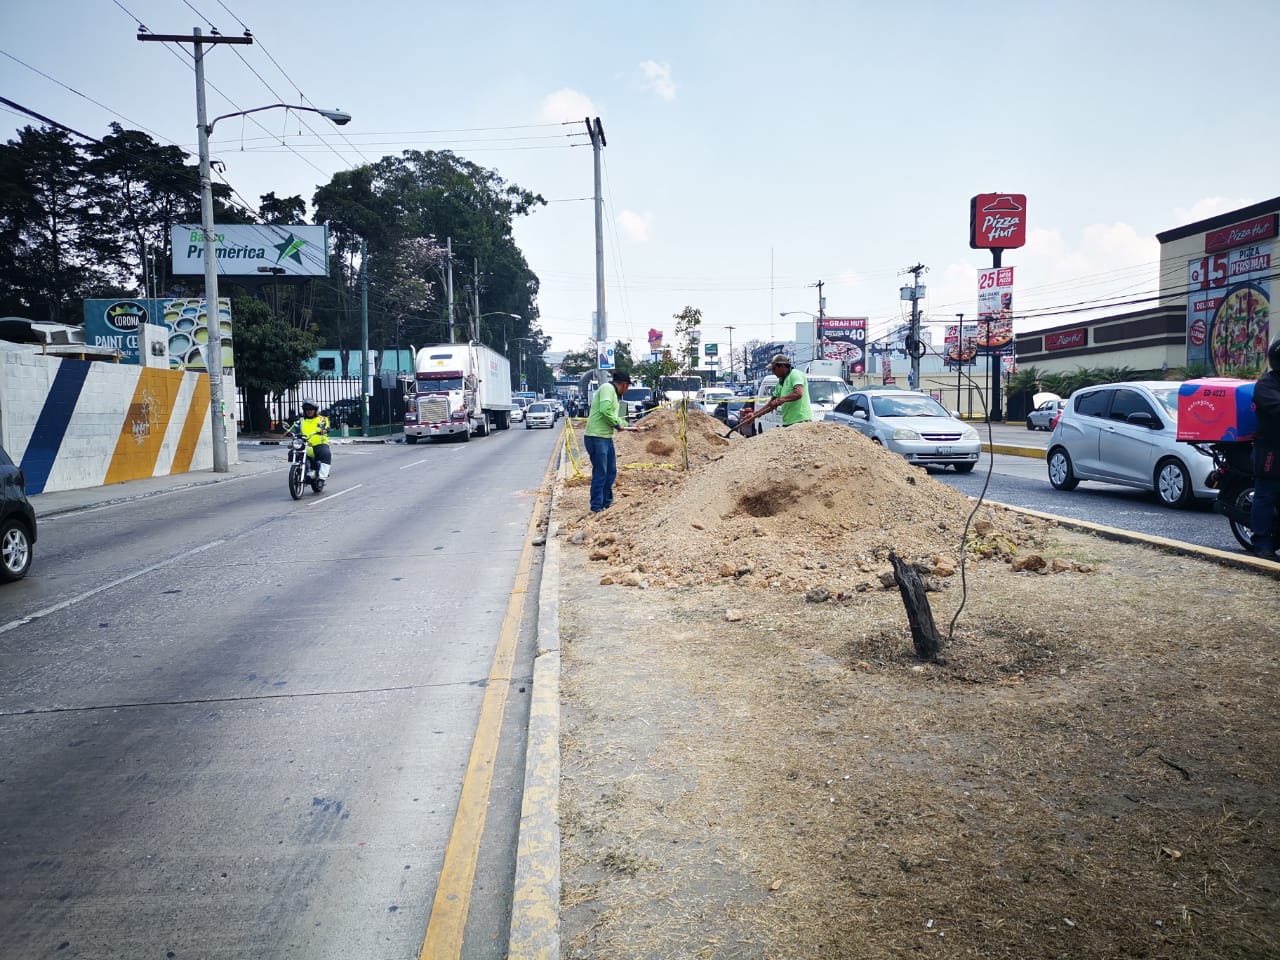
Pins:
x,y
815,506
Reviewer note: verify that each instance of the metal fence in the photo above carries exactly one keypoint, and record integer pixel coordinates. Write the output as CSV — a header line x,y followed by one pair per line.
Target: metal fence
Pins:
x,y
386,404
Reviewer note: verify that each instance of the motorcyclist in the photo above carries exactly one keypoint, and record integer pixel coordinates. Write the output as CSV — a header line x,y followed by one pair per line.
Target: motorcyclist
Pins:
x,y
1266,456
314,428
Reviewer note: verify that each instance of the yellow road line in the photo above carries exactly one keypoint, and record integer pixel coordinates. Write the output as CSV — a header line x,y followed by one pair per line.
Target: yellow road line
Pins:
x,y
447,925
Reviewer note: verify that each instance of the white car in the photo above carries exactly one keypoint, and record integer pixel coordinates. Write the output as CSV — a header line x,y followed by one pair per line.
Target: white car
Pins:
x,y
517,414
911,424
539,414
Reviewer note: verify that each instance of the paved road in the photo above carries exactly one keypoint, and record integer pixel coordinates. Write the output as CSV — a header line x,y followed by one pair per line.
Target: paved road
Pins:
x,y
236,726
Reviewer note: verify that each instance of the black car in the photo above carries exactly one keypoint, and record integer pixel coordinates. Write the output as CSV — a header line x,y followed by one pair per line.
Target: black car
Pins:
x,y
344,411
17,522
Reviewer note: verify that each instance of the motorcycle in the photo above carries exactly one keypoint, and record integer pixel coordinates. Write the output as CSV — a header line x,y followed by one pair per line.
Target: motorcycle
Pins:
x,y
1232,477
304,469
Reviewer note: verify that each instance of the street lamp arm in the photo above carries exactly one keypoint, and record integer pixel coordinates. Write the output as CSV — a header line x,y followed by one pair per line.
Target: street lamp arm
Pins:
x,y
787,313
337,116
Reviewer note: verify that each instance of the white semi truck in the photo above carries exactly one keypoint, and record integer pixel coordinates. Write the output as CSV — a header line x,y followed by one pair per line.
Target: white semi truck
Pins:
x,y
459,389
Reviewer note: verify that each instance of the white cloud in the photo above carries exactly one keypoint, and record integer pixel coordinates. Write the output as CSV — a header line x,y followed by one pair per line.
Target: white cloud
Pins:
x,y
657,76
635,226
565,105
1205,208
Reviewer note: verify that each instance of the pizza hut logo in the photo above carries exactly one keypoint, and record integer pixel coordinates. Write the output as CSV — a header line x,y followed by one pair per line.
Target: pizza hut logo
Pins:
x,y
1239,234
998,220
1066,339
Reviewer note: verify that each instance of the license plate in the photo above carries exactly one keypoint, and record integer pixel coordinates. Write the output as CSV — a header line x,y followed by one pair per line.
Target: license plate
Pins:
x,y
944,451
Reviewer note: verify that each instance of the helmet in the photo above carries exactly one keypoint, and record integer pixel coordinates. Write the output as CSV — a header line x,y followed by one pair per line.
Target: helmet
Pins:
x,y
1273,354
780,358
308,402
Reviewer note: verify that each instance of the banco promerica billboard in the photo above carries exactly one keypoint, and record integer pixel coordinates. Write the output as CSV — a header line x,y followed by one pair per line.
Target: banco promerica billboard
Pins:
x,y
295,250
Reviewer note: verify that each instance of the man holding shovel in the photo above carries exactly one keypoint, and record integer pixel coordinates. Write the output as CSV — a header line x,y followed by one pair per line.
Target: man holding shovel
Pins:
x,y
606,416
791,394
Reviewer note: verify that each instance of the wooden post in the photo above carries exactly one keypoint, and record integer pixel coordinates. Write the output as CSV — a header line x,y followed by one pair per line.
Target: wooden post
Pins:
x,y
924,635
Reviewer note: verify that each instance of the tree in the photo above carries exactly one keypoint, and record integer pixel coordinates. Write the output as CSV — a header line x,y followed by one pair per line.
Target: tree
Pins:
x,y
271,356
578,362
688,337
282,210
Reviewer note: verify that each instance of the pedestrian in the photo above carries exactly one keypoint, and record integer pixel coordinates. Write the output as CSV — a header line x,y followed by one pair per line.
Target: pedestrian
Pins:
x,y
606,417
1266,457
791,393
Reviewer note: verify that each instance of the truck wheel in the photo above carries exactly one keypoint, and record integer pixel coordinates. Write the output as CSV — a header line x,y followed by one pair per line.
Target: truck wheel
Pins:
x,y
410,438
466,435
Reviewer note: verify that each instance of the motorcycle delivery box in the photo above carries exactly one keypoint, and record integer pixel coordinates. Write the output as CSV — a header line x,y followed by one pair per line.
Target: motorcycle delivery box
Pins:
x,y
1216,410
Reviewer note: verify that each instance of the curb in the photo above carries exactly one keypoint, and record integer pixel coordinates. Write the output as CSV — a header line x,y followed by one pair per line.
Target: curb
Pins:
x,y
1036,453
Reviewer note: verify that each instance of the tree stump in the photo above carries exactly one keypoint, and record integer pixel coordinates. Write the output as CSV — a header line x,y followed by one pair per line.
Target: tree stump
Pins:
x,y
924,634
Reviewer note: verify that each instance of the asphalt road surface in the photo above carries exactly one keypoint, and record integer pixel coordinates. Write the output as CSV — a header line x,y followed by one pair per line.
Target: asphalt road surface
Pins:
x,y
235,725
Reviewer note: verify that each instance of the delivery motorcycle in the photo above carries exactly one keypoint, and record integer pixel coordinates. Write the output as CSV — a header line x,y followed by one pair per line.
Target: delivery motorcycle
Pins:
x,y
304,469
1232,477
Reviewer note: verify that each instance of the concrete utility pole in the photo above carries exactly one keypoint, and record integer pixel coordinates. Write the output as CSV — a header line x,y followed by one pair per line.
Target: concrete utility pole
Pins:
x,y
915,346
213,348
730,328
448,287
822,305
364,341
475,297
601,332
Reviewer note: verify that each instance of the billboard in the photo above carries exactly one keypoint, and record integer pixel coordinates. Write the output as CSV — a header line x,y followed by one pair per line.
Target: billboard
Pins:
x,y
1229,298
998,221
995,307
115,323
845,338
961,345
290,250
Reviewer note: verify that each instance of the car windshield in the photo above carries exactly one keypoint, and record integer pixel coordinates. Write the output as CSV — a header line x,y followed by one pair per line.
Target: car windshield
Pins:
x,y
539,408
907,407
826,391
1168,398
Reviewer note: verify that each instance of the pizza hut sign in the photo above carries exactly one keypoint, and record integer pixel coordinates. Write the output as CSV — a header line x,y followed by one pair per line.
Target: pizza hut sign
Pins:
x,y
1066,339
1239,234
998,221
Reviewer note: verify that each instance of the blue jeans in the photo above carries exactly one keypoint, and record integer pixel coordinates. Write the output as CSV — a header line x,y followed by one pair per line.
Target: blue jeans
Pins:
x,y
1263,518
604,470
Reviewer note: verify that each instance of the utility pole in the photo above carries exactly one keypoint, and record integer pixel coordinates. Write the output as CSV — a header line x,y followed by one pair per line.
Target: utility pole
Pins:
x,y
596,132
364,340
731,328
822,304
475,297
915,346
213,348
448,287
959,354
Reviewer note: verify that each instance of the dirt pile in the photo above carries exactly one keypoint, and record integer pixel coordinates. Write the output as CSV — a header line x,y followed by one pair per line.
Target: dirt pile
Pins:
x,y
816,506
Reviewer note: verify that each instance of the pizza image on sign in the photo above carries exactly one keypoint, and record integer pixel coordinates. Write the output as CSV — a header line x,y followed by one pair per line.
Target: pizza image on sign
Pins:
x,y
1241,326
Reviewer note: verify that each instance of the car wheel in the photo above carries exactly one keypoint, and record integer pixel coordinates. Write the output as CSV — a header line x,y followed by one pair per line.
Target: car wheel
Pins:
x,y
15,551
410,438
1060,473
964,467
1030,425
1173,484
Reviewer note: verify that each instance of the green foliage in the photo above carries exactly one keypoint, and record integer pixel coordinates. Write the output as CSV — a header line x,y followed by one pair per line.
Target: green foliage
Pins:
x,y
271,355
688,337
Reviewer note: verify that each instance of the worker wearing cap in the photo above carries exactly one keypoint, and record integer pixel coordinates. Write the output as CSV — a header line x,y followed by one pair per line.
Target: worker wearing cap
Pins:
x,y
791,393
606,417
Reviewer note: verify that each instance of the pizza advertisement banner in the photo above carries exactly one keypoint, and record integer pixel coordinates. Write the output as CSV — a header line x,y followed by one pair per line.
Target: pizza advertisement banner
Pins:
x,y
995,307
960,347
845,339
1229,299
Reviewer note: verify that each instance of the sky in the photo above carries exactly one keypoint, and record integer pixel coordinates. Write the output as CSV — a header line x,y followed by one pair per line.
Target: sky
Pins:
x,y
753,148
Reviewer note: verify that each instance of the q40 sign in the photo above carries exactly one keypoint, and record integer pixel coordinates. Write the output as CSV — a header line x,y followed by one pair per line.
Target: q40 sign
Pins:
x,y
998,221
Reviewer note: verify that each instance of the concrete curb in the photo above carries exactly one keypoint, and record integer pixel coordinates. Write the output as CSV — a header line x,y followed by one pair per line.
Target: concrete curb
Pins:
x,y
1036,453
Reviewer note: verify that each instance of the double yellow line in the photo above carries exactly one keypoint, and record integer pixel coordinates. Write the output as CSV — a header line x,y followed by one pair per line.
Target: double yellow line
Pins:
x,y
447,925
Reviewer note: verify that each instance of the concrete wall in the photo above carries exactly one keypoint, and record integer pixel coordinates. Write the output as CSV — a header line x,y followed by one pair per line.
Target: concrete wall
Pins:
x,y
71,423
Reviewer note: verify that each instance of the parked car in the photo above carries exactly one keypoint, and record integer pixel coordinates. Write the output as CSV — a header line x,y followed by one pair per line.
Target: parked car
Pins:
x,y
344,411
17,522
911,424
1126,433
1043,416
539,414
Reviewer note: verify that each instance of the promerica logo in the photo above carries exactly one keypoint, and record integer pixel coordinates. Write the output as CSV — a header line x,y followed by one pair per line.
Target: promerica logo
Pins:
x,y
126,315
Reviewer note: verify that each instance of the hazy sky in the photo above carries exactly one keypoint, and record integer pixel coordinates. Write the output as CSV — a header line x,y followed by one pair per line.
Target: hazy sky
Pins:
x,y
753,148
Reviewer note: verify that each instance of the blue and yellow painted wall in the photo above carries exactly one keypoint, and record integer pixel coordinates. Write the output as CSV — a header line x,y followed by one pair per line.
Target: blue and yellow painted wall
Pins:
x,y
72,423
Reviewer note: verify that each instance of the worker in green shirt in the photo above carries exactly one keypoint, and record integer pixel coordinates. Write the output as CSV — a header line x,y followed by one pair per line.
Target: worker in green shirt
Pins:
x,y
791,394
606,416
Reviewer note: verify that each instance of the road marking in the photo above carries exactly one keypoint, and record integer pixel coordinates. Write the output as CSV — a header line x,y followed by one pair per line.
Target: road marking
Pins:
x,y
414,464
71,602
334,496
447,924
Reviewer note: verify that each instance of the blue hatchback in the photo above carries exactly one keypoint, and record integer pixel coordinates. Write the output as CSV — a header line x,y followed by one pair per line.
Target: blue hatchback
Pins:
x,y
17,522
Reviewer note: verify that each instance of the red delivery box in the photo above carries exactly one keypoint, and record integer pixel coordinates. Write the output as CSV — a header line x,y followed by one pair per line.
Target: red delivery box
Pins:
x,y
1216,409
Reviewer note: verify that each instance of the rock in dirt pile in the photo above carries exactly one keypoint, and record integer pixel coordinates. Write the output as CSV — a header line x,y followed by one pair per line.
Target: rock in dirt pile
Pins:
x,y
814,506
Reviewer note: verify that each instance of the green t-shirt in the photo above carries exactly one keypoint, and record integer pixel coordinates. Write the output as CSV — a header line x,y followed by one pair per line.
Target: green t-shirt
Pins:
x,y
797,411
604,416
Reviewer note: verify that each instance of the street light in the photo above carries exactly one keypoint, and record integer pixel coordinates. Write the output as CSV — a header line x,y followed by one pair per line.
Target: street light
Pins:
x,y
501,313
